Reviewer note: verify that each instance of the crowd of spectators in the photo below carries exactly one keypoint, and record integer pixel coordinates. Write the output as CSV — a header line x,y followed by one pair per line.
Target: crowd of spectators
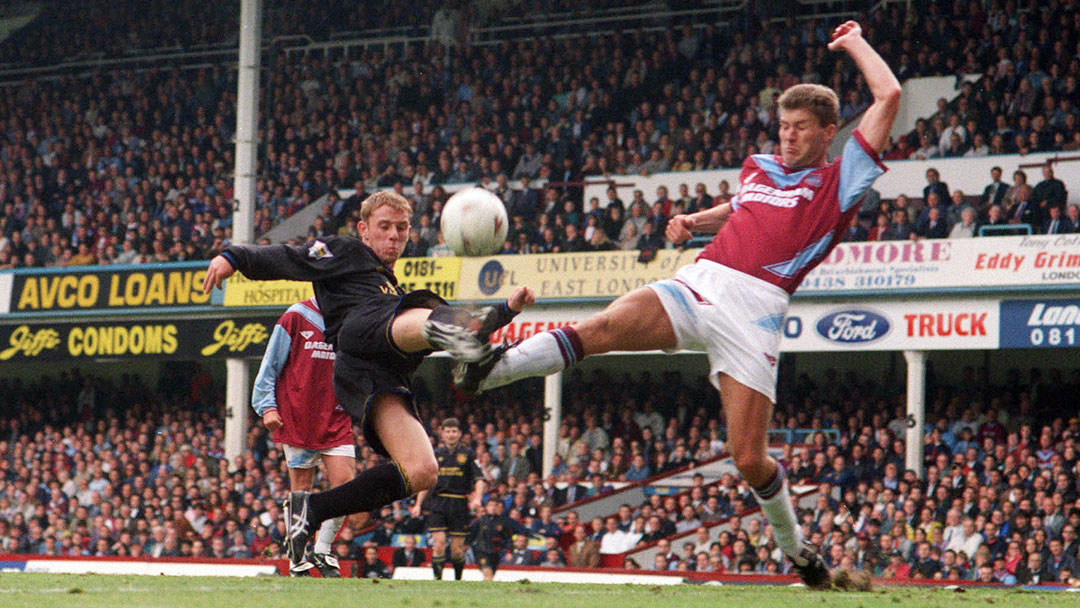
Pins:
x,y
93,466
1001,209
133,167
68,30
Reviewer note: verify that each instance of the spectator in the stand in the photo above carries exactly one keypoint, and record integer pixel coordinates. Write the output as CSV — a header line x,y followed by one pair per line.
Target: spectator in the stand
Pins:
x,y
583,553
995,191
1012,196
1024,210
638,470
935,227
614,540
1051,191
1033,571
899,229
372,566
934,184
408,555
519,554
966,227
1072,219
1054,222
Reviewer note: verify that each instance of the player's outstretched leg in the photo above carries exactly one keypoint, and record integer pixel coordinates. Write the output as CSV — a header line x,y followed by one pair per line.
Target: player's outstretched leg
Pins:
x,y
462,331
412,468
748,413
634,322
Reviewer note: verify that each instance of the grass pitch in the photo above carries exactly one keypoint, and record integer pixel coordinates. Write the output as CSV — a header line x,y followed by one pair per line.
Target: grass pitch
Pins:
x,y
20,590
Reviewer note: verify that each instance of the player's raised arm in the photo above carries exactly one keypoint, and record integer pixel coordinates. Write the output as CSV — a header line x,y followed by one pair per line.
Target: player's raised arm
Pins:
x,y
321,259
878,119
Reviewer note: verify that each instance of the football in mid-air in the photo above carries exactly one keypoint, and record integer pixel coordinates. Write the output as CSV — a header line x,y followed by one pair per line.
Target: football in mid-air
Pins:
x,y
474,222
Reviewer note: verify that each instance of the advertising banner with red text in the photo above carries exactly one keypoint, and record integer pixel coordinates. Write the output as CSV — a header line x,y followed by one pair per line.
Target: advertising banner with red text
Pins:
x,y
891,325
976,263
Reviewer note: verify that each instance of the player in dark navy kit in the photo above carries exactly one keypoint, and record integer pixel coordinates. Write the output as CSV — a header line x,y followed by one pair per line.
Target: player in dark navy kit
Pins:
x,y
491,534
790,211
448,507
380,335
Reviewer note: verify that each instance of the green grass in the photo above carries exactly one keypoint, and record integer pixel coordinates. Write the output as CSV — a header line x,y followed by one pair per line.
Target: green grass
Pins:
x,y
19,590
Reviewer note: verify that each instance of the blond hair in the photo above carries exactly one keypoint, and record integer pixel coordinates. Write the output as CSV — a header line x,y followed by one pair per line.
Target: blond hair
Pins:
x,y
819,100
384,198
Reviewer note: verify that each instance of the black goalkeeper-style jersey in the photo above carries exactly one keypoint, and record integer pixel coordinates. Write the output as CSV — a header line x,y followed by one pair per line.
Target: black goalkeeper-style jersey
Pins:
x,y
347,276
458,471
493,533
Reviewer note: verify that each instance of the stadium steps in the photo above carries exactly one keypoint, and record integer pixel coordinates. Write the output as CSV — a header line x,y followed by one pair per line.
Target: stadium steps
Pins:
x,y
638,492
805,495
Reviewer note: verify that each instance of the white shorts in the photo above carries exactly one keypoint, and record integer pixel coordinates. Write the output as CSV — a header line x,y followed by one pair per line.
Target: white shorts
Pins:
x,y
300,458
734,317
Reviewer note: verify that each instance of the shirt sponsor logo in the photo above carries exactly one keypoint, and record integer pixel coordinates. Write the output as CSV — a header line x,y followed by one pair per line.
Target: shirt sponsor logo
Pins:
x,y
318,348
853,327
762,193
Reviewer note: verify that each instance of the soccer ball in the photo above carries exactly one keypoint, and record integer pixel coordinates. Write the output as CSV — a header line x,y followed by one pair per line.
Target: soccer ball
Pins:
x,y
474,222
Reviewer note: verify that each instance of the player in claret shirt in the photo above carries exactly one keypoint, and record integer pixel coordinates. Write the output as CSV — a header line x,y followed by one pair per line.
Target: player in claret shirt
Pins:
x,y
790,211
294,396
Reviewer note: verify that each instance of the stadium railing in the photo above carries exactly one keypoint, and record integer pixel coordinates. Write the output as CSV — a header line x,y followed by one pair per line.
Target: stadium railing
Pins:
x,y
802,436
1005,230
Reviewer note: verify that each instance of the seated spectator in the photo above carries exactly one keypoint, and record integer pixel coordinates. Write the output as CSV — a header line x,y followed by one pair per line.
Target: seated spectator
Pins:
x,y
583,552
553,559
408,555
371,566
966,227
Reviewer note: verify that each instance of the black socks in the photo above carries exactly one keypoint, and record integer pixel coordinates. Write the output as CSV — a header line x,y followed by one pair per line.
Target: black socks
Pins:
x,y
368,491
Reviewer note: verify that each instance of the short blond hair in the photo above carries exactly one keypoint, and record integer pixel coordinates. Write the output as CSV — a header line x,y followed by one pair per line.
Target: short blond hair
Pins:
x,y
384,198
819,100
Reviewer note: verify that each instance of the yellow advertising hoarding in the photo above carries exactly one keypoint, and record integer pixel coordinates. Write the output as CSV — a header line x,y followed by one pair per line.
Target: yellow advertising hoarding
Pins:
x,y
606,274
439,275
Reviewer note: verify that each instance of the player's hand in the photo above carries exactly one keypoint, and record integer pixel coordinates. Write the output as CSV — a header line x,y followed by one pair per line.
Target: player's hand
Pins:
x,y
415,511
679,228
844,34
219,270
520,299
272,420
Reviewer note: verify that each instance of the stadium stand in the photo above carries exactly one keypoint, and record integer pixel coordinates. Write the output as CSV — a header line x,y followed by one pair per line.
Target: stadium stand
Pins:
x,y
126,166
135,165
84,475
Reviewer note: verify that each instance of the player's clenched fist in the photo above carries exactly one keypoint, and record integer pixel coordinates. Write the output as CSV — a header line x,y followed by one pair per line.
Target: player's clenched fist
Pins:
x,y
520,299
843,34
272,420
679,228
219,270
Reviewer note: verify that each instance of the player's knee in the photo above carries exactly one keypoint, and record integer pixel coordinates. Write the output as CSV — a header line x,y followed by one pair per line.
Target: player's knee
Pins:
x,y
422,474
748,461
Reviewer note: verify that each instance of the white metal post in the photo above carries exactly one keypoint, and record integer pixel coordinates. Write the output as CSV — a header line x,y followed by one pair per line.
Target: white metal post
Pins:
x,y
916,409
237,390
553,407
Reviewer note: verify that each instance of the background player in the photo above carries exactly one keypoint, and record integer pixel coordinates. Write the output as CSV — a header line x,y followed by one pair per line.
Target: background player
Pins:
x,y
294,395
380,336
449,506
491,534
789,213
